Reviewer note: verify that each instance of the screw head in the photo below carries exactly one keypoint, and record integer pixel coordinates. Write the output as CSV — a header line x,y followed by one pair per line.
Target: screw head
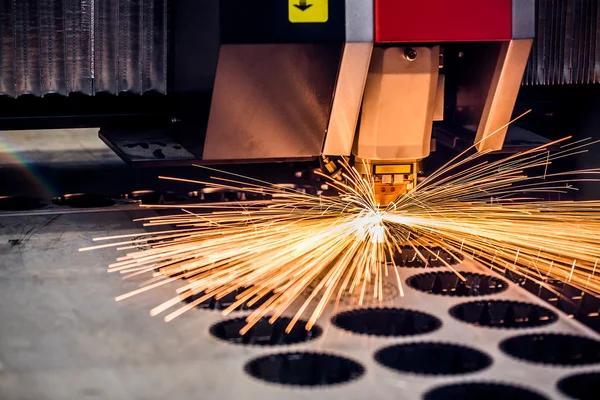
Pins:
x,y
410,54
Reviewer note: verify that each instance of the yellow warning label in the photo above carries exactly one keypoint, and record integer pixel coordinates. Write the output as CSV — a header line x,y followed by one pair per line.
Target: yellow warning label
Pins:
x,y
308,11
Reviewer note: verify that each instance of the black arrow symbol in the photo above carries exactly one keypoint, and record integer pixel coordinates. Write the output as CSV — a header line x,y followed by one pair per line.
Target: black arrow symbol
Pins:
x,y
303,6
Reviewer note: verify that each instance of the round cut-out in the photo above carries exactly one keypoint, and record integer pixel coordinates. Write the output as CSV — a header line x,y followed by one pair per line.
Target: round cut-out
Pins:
x,y
449,284
386,322
432,358
263,333
304,369
553,348
503,314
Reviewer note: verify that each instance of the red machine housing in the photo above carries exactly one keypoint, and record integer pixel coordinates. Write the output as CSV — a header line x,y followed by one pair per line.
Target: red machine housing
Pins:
x,y
442,20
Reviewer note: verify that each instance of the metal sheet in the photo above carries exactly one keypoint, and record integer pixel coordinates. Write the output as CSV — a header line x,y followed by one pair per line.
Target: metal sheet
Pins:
x,y
64,337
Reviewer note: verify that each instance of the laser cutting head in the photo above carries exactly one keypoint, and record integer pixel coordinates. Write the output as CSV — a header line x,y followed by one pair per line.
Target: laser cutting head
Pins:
x,y
295,80
480,48
397,67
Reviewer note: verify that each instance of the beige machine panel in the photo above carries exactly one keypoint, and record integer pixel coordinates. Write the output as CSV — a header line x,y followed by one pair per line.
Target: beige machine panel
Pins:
x,y
352,76
347,100
271,101
398,104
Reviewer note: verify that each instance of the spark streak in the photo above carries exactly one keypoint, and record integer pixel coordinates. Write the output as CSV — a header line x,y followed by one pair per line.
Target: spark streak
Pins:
x,y
298,247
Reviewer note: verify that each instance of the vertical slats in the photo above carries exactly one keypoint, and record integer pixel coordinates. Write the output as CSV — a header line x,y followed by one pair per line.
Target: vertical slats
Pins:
x,y
154,28
85,46
596,77
560,79
78,42
106,38
552,41
8,84
27,66
541,38
567,43
52,47
129,49
591,55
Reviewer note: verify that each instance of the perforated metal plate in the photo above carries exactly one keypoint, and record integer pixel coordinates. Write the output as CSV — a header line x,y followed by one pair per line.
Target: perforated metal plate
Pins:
x,y
63,336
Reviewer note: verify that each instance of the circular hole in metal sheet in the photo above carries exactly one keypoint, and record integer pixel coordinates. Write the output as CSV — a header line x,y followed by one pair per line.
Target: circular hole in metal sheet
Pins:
x,y
226,301
304,369
409,257
481,390
585,386
20,203
84,200
553,348
386,322
263,333
449,284
432,358
503,314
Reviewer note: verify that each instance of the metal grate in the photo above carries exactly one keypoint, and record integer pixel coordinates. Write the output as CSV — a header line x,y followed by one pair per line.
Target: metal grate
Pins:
x,y
82,46
566,49
265,333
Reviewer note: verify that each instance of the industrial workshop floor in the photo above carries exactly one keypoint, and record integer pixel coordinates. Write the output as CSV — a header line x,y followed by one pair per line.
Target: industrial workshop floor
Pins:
x,y
62,335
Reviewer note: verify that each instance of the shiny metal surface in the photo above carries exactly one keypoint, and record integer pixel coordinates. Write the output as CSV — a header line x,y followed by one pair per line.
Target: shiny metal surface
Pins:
x,y
523,19
502,94
359,21
271,101
398,104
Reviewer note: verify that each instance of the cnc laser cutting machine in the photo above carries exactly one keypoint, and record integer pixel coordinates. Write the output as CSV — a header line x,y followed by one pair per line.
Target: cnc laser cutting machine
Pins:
x,y
237,81
269,88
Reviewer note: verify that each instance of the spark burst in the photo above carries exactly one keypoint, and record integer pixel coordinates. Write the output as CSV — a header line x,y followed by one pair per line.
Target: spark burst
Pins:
x,y
309,250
